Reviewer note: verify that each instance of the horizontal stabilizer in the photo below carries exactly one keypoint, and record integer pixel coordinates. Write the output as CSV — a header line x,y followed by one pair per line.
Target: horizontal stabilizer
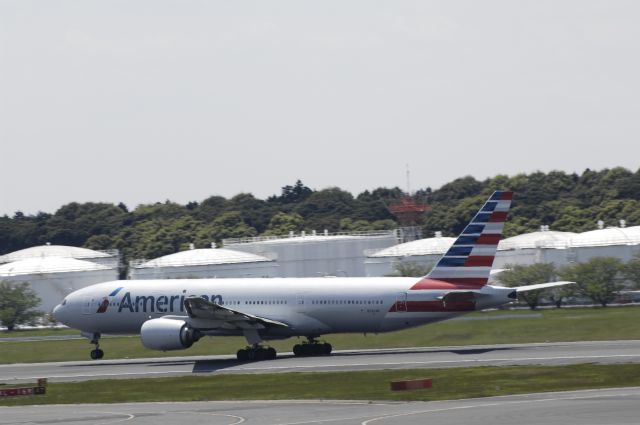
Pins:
x,y
541,286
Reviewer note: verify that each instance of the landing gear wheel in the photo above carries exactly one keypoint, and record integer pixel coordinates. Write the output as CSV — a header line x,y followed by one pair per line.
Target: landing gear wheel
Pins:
x,y
256,353
264,353
251,355
242,355
271,353
94,338
312,348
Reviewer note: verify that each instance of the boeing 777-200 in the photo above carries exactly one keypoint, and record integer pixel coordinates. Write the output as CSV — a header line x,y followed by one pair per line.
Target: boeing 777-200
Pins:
x,y
173,314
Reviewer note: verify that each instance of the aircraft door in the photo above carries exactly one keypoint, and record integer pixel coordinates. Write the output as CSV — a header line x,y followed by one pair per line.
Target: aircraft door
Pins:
x,y
87,305
401,302
300,303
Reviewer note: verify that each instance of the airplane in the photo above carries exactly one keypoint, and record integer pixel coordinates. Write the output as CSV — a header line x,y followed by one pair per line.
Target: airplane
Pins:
x,y
173,314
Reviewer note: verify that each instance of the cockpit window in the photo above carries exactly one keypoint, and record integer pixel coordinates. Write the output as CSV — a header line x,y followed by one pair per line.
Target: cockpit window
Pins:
x,y
64,302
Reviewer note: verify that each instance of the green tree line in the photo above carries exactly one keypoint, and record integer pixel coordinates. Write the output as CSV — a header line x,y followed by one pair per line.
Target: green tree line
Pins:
x,y
569,202
601,279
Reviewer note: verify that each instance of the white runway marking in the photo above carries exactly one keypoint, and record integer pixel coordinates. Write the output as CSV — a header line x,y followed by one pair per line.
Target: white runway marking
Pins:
x,y
498,404
128,418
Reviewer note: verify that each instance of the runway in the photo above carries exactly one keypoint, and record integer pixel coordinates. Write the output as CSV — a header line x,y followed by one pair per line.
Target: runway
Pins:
x,y
433,357
591,407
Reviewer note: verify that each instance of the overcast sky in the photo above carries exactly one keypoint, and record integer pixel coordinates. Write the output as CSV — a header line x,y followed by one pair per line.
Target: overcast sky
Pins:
x,y
143,101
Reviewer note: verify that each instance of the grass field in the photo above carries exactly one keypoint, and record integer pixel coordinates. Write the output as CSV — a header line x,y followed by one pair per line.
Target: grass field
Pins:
x,y
38,332
574,324
454,383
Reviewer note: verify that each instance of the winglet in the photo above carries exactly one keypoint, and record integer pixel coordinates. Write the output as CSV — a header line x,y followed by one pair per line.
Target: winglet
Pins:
x,y
467,264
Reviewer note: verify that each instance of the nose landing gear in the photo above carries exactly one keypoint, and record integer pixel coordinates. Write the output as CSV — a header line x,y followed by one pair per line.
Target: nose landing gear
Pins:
x,y
94,338
97,354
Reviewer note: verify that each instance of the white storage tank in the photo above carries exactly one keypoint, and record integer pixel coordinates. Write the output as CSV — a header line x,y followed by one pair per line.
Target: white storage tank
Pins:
x,y
108,258
544,246
318,254
53,278
619,242
422,251
204,263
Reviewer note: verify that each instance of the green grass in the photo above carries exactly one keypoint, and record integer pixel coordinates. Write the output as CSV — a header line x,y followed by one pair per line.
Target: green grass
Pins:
x,y
454,383
38,332
556,325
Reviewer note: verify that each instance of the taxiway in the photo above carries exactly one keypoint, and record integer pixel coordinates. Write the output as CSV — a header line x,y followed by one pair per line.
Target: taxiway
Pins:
x,y
591,407
604,352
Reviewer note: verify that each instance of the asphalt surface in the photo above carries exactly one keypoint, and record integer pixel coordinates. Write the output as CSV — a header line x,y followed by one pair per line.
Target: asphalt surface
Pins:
x,y
605,352
592,407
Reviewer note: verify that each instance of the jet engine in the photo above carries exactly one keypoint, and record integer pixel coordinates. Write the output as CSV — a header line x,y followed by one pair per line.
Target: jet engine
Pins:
x,y
168,334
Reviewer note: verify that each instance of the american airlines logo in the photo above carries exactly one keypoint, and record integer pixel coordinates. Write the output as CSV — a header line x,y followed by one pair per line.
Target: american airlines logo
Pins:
x,y
152,303
102,308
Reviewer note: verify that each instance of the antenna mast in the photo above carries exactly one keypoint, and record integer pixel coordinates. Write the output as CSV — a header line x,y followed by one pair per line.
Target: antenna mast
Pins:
x,y
409,212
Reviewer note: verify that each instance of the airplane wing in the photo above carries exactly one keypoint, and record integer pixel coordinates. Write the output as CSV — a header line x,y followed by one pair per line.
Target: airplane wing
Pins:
x,y
213,315
541,286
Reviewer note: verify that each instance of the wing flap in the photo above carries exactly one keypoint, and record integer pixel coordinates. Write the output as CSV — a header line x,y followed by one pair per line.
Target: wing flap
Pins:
x,y
219,316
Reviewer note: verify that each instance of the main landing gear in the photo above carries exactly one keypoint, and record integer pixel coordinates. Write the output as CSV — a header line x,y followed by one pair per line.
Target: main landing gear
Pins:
x,y
256,352
94,338
312,348
309,348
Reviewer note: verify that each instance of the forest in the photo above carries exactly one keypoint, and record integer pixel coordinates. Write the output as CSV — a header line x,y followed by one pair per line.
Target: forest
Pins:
x,y
566,202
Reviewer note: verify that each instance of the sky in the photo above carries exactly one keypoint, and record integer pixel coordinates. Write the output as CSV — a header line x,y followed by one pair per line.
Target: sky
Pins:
x,y
149,100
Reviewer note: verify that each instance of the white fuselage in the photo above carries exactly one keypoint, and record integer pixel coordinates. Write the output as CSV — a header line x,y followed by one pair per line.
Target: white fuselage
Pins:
x,y
308,306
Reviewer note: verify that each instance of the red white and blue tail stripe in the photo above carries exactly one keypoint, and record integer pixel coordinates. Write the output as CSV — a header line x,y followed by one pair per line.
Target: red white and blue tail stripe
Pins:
x,y
467,264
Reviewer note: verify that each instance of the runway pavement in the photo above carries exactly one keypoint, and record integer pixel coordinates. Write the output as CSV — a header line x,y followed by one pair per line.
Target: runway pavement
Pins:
x,y
433,357
592,407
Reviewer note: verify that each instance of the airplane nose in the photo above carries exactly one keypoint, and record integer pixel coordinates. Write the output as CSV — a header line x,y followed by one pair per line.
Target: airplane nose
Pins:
x,y
58,313
55,311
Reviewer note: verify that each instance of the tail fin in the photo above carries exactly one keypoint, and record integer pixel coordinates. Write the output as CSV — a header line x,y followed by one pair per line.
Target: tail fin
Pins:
x,y
467,264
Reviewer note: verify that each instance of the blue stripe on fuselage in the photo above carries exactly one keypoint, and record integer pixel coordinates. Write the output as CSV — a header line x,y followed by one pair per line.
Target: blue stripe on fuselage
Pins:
x,y
113,294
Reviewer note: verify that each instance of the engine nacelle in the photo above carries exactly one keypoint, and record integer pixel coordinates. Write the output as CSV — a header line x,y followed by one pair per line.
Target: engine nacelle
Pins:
x,y
168,334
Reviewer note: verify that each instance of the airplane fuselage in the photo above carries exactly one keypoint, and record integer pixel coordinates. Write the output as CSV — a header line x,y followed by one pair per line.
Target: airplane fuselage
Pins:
x,y
309,306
